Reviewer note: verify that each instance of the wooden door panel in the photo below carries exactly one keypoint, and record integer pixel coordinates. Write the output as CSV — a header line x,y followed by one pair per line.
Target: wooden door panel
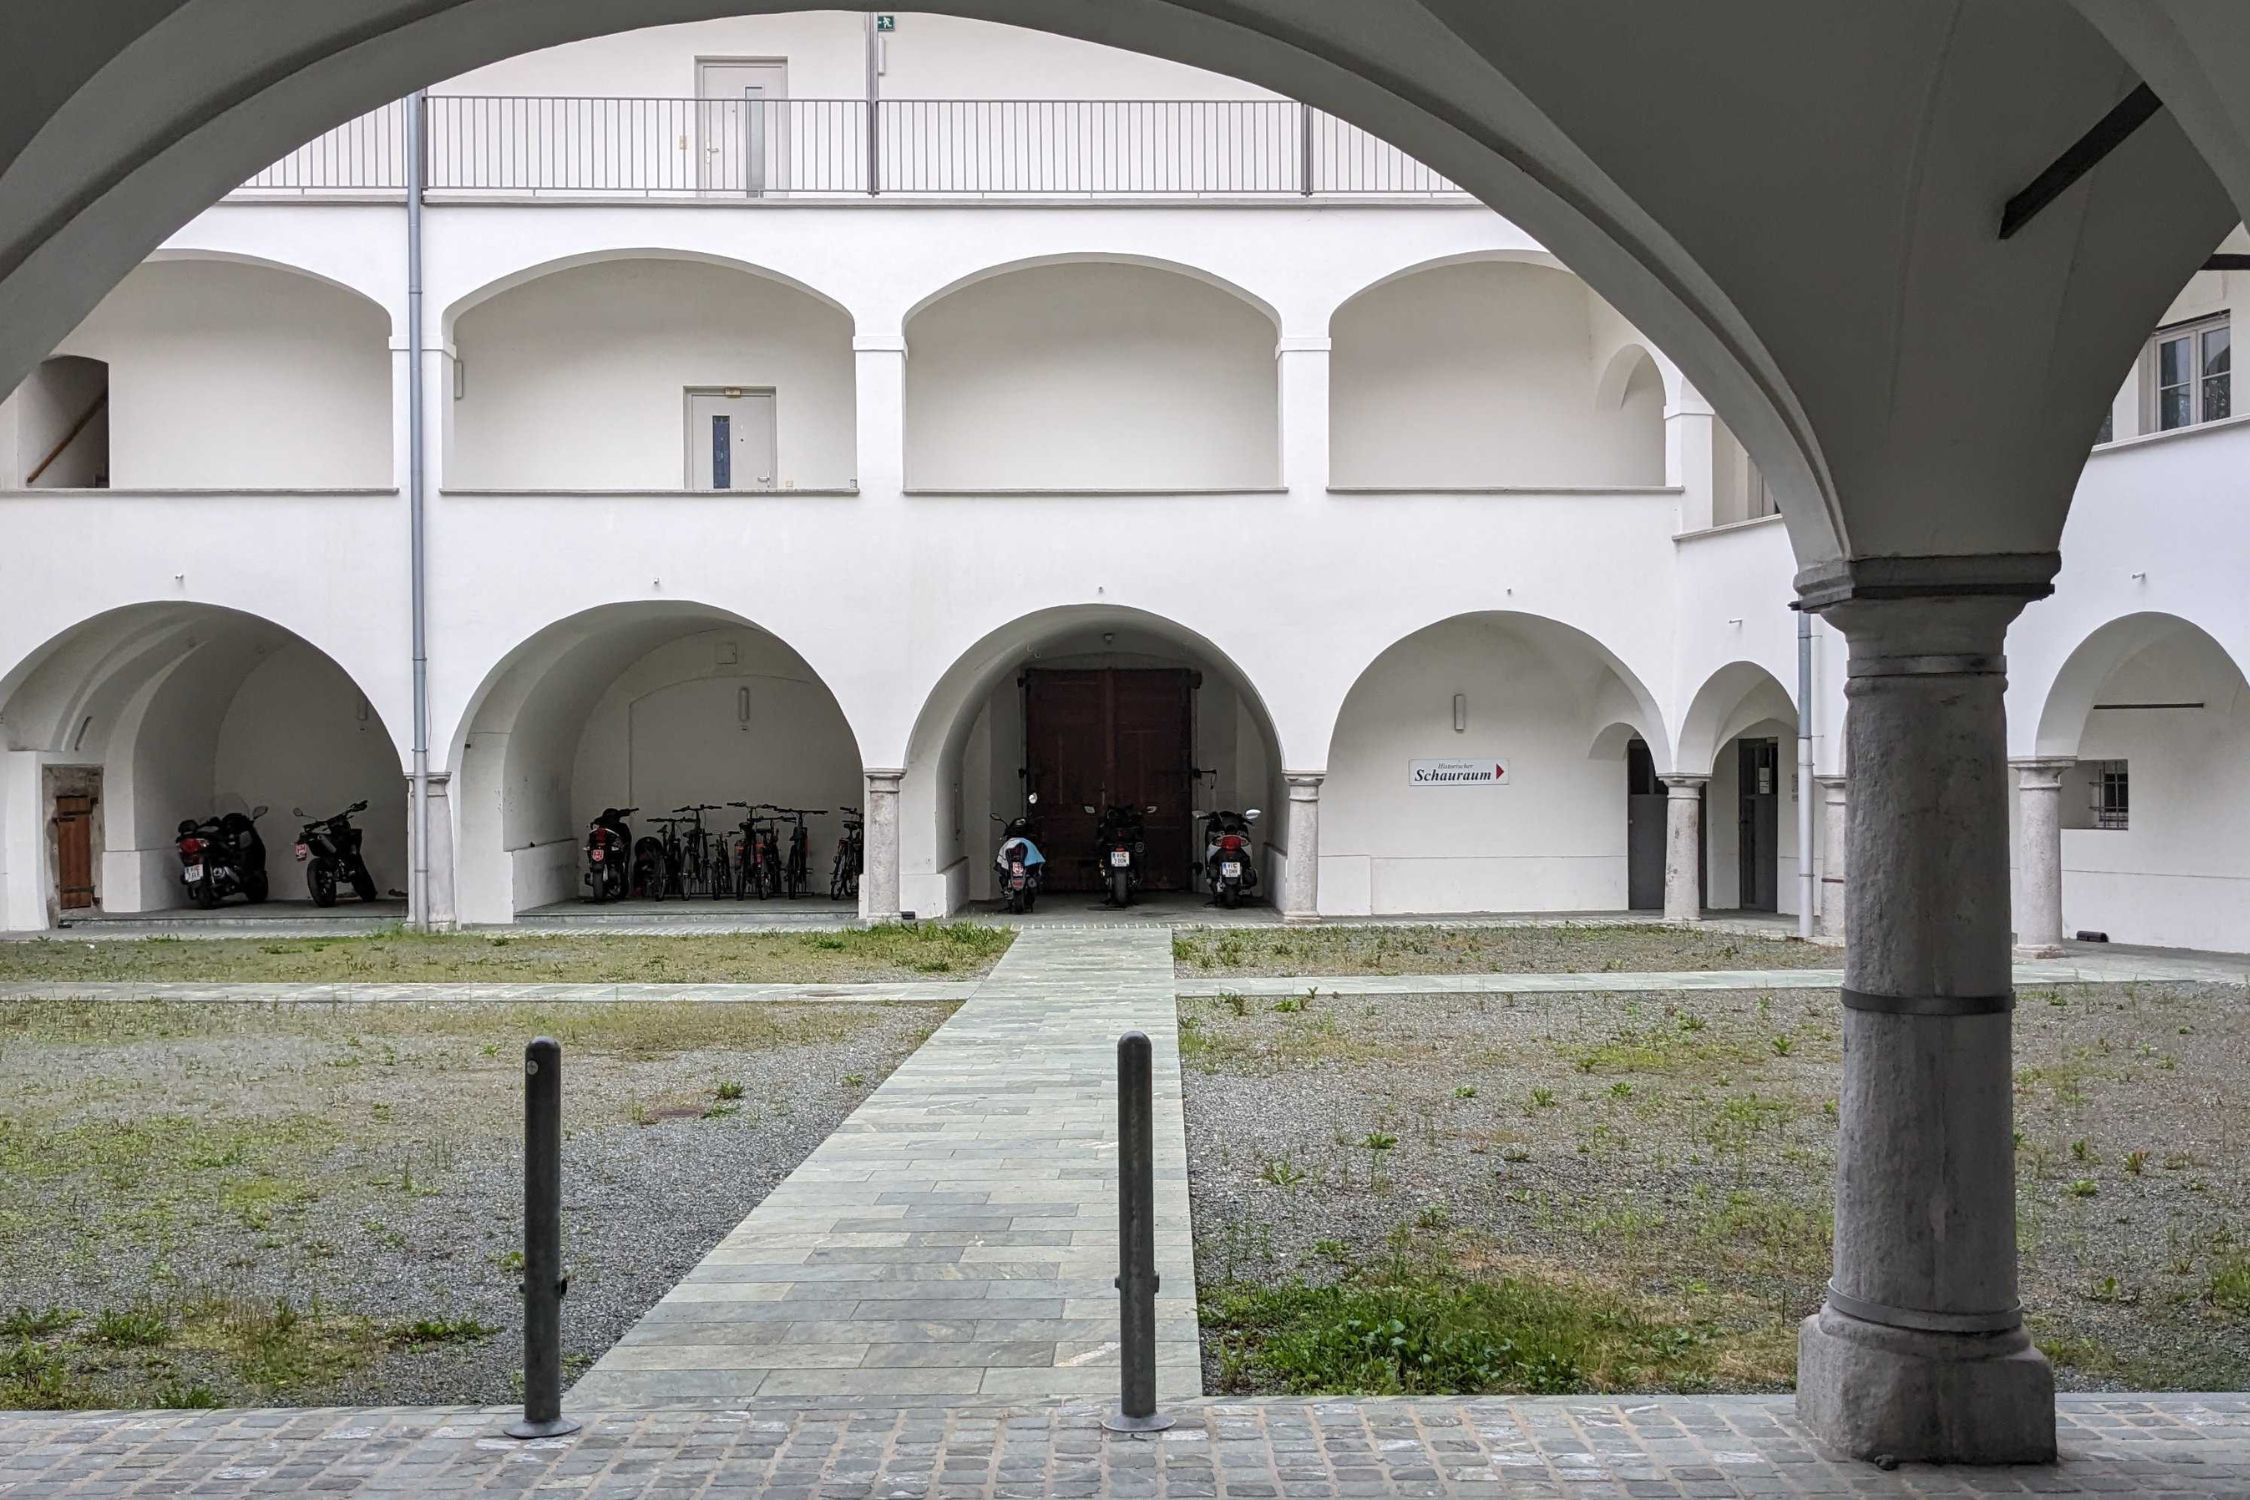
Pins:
x,y
1064,735
1110,735
1152,722
74,852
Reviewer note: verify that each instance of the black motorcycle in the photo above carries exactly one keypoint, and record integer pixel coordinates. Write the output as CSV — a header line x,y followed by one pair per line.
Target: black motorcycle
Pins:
x,y
328,848
223,856
1229,863
609,850
1120,848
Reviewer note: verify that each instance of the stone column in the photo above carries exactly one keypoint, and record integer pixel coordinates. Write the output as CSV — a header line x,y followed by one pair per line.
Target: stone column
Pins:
x,y
1683,848
1919,1351
1835,836
2039,922
878,879
1303,380
1300,891
442,908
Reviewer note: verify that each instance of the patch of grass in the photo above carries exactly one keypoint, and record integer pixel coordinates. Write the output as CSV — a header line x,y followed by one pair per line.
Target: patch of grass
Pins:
x,y
36,1378
1281,1172
728,1091
1410,1330
25,1323
2229,1286
139,1326
897,950
1562,947
421,1333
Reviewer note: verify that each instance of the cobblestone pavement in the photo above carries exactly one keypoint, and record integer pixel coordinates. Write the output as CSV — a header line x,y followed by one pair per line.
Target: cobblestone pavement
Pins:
x,y
2088,965
956,1238
1663,1448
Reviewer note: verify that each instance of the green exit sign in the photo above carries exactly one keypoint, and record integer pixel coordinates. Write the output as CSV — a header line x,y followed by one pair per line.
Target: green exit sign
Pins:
x,y
886,23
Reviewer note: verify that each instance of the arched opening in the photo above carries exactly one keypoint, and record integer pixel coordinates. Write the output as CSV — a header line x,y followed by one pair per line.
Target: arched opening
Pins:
x,y
1086,704
137,720
228,375
2153,716
1741,731
62,425
653,373
1480,764
653,706
1091,375
1490,374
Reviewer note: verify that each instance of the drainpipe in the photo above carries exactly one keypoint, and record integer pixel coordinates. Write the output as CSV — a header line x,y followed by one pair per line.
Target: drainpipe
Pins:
x,y
418,893
1807,885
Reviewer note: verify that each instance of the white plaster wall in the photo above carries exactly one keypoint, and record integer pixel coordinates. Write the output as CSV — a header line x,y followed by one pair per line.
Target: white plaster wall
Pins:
x,y
1484,375
1091,376
1553,839
232,376
578,380
298,734
2179,874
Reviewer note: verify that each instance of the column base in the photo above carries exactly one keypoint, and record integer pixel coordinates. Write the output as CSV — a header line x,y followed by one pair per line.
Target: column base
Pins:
x,y
1300,919
2038,950
1871,1391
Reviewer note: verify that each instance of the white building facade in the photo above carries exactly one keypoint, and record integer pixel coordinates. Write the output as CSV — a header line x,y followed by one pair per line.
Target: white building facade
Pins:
x,y
912,420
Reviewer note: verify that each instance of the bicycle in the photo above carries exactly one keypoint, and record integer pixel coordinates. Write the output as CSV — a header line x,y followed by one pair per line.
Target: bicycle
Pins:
x,y
760,855
674,857
796,873
851,855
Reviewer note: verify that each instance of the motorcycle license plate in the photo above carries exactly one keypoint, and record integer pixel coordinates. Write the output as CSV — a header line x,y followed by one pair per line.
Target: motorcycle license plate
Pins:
x,y
1016,869
1120,858
194,873
1231,869
304,852
595,856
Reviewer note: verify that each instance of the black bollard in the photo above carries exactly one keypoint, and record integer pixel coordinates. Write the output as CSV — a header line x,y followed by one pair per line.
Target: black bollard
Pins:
x,y
543,1279
1136,1240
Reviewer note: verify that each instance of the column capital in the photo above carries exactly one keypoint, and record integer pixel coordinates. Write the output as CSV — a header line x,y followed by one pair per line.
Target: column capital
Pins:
x,y
879,343
2042,763
2018,576
1302,343
892,774
1306,781
1684,783
1833,785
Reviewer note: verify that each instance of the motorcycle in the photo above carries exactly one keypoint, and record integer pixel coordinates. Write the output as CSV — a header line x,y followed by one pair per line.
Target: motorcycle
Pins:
x,y
328,848
1021,866
609,846
1228,862
221,856
1120,848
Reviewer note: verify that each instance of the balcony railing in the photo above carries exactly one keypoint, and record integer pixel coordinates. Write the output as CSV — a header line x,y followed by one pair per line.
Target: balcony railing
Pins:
x,y
809,148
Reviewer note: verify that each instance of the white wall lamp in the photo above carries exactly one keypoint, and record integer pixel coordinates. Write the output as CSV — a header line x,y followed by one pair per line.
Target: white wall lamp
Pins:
x,y
742,709
1460,713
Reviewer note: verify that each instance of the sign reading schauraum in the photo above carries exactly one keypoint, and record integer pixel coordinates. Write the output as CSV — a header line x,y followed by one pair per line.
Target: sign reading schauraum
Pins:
x,y
1490,770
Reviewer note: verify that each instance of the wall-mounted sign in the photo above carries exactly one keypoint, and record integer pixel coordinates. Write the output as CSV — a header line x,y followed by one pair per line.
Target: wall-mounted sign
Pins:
x,y
1489,770
886,23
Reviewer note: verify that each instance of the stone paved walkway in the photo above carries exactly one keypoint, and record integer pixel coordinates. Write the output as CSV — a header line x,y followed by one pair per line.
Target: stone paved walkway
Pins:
x,y
956,1238
1601,1448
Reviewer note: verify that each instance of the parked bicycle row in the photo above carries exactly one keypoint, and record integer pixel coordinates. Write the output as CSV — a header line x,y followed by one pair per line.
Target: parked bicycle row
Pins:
x,y
225,855
768,853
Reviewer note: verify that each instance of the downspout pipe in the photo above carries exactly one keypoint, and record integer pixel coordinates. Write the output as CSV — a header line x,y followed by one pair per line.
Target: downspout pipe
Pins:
x,y
1808,885
417,438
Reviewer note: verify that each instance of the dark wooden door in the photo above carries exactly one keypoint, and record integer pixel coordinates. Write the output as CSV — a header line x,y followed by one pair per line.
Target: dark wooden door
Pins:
x,y
1111,735
1759,822
74,851
1645,832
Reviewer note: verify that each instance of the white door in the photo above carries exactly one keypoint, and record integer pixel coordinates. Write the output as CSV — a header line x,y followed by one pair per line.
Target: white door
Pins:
x,y
742,120
730,440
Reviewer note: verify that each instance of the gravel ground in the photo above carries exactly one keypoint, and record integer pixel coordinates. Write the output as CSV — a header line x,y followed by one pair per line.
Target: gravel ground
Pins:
x,y
362,1166
926,950
1679,1148
1558,948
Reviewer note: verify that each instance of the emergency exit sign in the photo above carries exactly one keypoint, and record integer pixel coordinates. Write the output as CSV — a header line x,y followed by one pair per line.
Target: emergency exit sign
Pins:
x,y
886,23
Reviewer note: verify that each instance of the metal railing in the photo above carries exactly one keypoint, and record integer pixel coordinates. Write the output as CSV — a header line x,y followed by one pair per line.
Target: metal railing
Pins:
x,y
800,148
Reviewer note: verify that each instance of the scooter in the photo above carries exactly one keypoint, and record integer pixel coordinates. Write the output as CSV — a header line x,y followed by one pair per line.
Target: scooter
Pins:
x,y
609,849
1228,862
328,848
223,856
1022,867
1120,847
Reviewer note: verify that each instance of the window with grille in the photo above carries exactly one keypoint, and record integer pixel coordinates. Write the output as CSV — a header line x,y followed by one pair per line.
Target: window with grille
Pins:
x,y
2192,369
2112,796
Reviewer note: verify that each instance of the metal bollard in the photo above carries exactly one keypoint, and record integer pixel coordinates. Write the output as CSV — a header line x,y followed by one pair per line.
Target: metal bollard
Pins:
x,y
1136,1240
544,1281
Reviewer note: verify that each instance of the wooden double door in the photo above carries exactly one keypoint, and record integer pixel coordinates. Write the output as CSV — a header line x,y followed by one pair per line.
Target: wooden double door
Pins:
x,y
1111,735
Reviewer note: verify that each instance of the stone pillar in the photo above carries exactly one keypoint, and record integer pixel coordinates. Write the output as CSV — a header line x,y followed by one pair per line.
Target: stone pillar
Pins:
x,y
443,907
1303,379
1919,1351
878,879
1835,837
879,394
2039,922
1300,891
1683,848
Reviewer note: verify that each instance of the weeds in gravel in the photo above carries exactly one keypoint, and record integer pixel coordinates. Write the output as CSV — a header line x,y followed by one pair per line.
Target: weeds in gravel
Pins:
x,y
24,1323
1281,1172
2229,1286
140,1326
423,1332
1550,948
728,1091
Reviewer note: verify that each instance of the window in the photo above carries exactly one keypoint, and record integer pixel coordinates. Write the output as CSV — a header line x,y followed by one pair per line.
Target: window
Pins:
x,y
2112,795
2191,365
2108,430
